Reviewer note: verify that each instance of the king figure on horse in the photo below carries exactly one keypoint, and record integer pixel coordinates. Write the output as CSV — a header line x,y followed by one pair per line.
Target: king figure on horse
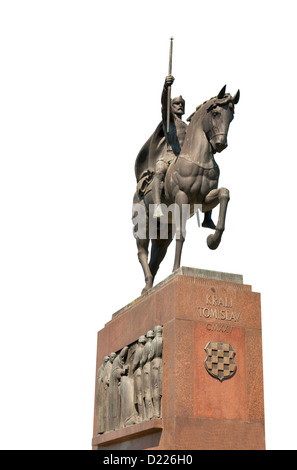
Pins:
x,y
176,168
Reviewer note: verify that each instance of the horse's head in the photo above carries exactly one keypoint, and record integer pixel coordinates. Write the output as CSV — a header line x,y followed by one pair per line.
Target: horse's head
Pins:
x,y
215,116
220,113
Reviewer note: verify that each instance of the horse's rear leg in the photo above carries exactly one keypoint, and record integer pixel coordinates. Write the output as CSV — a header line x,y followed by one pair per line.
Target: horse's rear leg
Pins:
x,y
142,246
217,196
141,234
158,252
181,200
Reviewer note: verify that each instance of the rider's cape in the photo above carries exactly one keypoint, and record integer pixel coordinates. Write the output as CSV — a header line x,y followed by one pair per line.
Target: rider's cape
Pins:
x,y
150,153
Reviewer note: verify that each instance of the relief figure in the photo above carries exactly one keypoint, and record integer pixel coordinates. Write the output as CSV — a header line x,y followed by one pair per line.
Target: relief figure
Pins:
x,y
155,356
146,377
118,370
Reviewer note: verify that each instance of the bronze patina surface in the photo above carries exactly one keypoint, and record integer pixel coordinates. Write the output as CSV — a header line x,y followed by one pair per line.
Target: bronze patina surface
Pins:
x,y
176,173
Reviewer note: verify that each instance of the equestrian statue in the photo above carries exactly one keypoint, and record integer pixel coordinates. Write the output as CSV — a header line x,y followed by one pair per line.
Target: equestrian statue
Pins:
x,y
176,170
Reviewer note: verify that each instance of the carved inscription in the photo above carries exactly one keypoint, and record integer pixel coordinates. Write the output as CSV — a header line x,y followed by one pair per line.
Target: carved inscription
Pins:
x,y
221,313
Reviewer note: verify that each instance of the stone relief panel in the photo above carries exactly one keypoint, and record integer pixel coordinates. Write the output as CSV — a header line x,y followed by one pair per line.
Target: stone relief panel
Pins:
x,y
129,384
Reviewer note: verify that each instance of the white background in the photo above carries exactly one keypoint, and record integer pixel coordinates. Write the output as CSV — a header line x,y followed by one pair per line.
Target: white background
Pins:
x,y
80,88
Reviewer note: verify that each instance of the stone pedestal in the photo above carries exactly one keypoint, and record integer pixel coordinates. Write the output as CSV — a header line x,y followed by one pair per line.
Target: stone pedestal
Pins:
x,y
212,364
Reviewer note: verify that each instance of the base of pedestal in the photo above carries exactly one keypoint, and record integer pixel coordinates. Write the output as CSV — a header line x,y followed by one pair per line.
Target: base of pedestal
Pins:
x,y
212,364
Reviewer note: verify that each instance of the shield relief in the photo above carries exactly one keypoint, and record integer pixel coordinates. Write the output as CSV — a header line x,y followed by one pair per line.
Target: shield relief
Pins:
x,y
219,362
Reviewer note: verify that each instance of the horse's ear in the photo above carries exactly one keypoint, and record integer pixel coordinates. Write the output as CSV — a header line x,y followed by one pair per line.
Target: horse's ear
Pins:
x,y
222,93
190,117
235,99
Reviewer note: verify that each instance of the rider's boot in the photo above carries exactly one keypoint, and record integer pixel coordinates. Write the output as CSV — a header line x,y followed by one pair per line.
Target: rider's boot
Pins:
x,y
208,222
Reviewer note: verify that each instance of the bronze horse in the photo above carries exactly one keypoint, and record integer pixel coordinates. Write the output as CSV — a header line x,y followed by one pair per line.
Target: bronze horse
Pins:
x,y
191,180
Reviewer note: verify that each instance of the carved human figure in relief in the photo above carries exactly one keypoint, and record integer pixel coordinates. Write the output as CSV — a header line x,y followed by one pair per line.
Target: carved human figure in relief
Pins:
x,y
146,377
106,382
129,414
155,356
137,372
99,397
118,370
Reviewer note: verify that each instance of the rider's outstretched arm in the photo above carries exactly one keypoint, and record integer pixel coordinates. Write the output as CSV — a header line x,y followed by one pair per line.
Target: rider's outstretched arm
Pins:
x,y
164,99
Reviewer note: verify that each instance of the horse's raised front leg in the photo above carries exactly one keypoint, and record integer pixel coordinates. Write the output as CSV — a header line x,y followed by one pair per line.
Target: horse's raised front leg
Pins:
x,y
181,200
217,196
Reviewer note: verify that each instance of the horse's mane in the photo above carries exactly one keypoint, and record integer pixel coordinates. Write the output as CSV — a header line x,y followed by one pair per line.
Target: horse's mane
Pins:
x,y
210,104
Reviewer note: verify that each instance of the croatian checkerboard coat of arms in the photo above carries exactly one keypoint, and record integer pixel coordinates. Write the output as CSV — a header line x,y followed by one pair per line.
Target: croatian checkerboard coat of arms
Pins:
x,y
219,362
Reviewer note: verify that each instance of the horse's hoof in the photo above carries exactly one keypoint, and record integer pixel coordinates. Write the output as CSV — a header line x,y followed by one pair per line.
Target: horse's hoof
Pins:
x,y
146,289
213,242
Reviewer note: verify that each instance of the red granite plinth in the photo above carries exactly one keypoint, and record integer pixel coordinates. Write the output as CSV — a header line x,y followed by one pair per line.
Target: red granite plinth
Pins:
x,y
199,412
